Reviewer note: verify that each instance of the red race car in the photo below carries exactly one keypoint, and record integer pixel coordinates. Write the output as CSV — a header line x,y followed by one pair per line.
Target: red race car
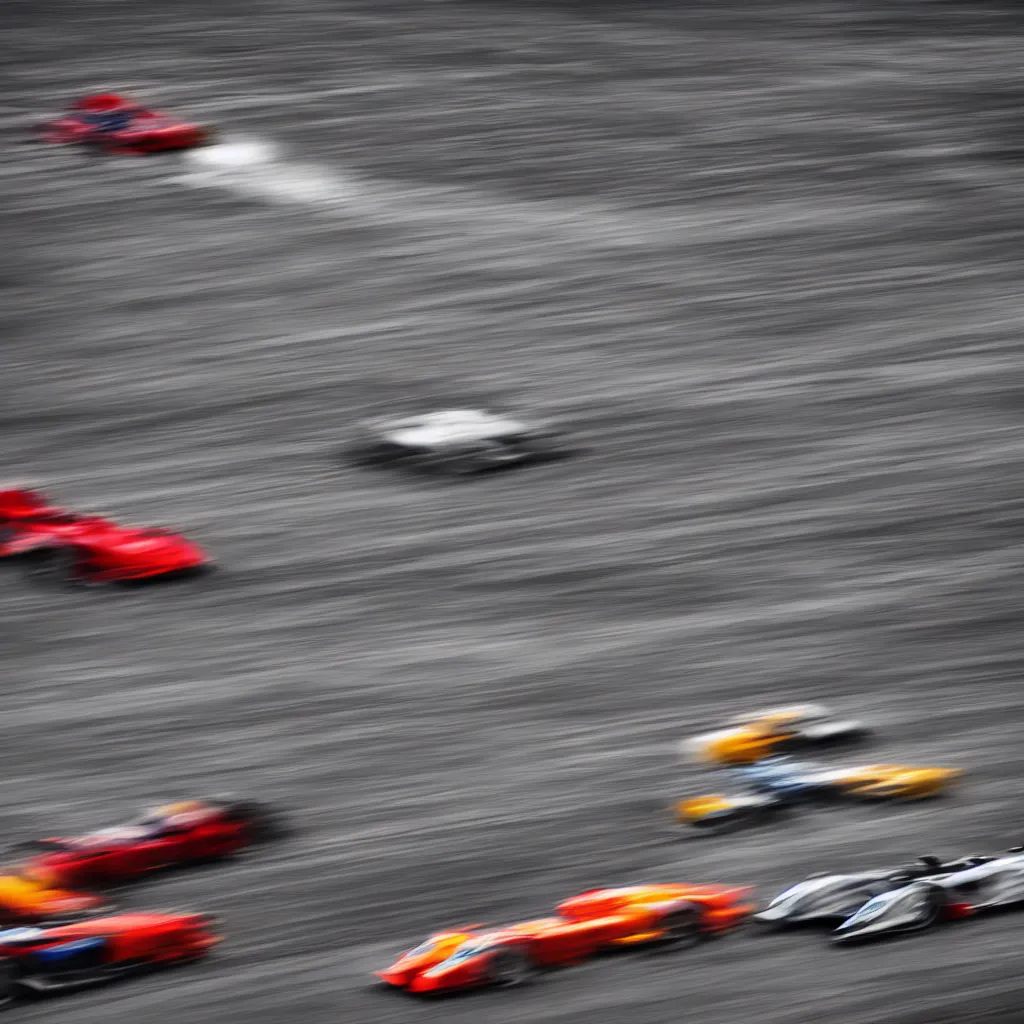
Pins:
x,y
669,915
62,545
119,125
165,837
38,961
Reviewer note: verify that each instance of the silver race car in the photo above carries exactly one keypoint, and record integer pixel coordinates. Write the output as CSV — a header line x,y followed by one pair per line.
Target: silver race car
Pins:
x,y
839,898
456,441
993,883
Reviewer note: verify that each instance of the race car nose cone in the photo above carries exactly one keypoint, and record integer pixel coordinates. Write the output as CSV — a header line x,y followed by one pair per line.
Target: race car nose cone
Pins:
x,y
398,978
847,934
769,916
423,983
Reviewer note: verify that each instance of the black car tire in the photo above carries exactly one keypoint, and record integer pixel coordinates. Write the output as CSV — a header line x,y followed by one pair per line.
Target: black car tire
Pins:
x,y
8,983
477,457
459,461
510,968
683,928
932,904
540,448
55,567
724,824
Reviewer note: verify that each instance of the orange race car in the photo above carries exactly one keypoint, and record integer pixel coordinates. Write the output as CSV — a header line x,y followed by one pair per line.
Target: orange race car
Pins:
x,y
669,915
750,738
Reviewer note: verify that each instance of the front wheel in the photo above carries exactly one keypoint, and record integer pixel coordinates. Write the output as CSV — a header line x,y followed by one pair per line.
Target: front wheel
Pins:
x,y
926,906
476,458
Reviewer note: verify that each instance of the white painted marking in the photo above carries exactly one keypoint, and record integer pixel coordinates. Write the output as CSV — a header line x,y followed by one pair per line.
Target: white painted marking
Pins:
x,y
256,169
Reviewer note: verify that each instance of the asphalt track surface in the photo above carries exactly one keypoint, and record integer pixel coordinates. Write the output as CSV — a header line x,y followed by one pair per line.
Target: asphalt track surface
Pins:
x,y
765,259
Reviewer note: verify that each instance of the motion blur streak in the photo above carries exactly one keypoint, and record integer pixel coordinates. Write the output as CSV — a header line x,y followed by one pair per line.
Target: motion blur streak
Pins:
x,y
254,169
789,337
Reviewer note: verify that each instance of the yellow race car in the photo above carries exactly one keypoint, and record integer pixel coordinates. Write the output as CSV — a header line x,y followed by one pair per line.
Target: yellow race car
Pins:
x,y
777,784
751,738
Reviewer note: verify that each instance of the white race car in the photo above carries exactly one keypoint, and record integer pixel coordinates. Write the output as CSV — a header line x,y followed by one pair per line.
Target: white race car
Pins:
x,y
457,441
991,884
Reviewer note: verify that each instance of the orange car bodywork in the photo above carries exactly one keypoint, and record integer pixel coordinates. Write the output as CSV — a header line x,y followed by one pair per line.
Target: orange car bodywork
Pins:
x,y
582,926
32,896
749,741
895,781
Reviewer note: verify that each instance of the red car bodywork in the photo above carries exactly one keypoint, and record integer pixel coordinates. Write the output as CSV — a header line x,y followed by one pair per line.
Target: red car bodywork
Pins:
x,y
44,960
120,125
177,834
98,550
582,926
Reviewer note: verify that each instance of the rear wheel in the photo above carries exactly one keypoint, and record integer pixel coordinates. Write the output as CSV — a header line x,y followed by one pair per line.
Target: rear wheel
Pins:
x,y
540,447
682,929
510,968
8,983
55,567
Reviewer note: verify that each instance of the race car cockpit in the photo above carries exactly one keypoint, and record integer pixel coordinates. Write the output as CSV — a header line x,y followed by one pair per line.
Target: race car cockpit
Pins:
x,y
110,120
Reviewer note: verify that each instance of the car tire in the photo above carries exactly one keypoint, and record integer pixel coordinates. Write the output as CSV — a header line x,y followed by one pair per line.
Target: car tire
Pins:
x,y
8,983
458,462
541,448
683,928
55,567
476,458
510,968
722,825
932,902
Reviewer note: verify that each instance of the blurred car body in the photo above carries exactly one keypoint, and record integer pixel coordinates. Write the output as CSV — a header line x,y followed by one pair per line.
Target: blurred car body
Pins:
x,y
836,897
456,442
581,926
48,960
117,124
991,884
176,834
65,546
750,738
780,783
